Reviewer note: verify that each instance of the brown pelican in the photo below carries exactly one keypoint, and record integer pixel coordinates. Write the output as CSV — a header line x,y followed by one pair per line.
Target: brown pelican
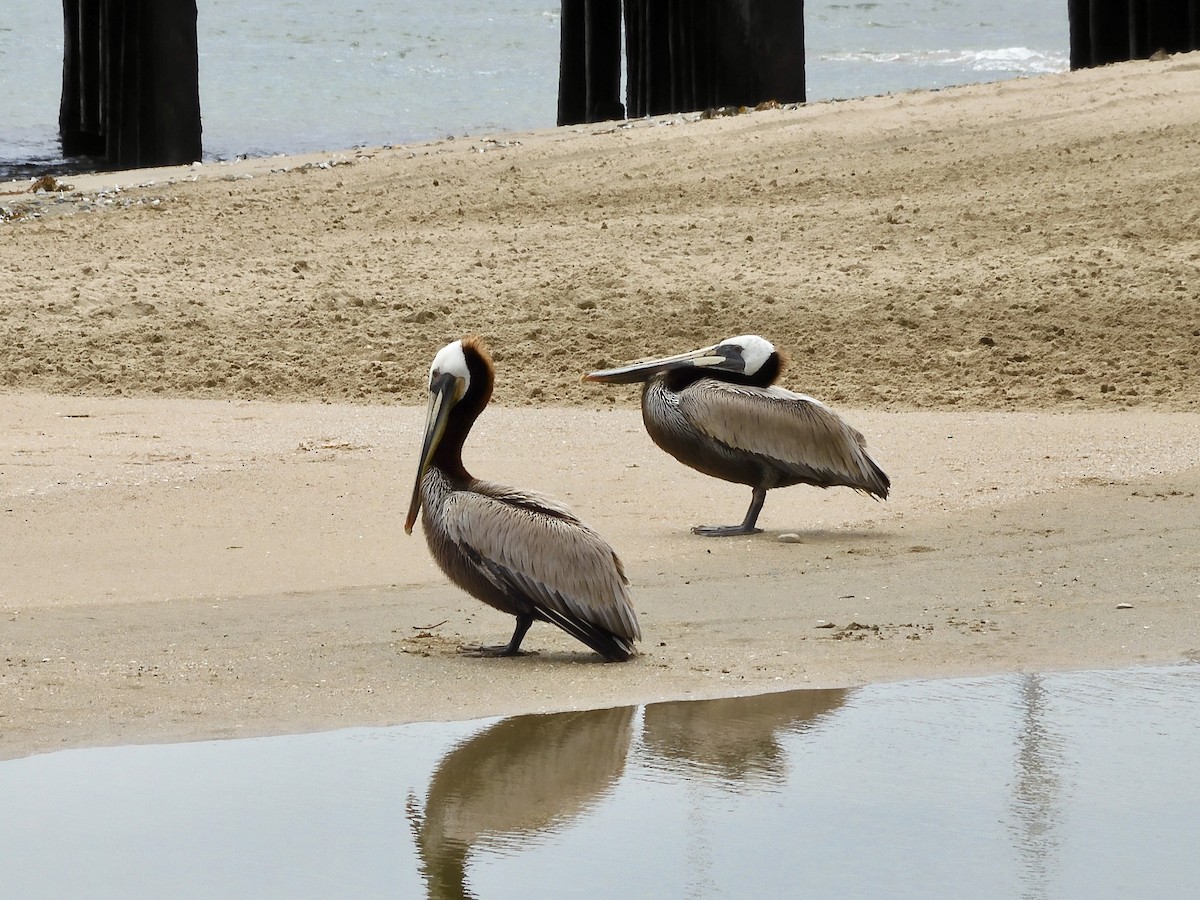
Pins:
x,y
518,551
717,410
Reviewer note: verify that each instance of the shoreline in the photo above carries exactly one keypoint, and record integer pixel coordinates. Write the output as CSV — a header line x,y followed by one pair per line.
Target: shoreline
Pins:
x,y
238,568
213,386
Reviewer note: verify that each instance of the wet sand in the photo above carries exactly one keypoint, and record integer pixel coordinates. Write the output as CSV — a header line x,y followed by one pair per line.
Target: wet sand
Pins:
x,y
214,386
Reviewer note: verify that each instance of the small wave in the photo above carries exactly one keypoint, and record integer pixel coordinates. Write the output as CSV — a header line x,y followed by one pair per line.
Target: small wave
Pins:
x,y
1022,60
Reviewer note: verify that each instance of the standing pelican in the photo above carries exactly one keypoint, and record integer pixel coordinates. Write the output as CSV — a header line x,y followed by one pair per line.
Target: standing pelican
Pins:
x,y
517,551
718,411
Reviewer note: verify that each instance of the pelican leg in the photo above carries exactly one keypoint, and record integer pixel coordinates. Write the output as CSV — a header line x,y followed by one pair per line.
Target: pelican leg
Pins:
x,y
747,526
512,648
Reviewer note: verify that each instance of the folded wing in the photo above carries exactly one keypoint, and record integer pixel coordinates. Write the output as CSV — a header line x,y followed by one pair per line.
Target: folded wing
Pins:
x,y
530,546
797,433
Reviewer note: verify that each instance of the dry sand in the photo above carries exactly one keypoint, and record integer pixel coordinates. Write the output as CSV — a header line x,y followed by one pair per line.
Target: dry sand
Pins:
x,y
214,389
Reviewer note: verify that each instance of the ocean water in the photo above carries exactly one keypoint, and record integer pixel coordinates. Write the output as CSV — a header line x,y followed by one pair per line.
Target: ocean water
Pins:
x,y
289,76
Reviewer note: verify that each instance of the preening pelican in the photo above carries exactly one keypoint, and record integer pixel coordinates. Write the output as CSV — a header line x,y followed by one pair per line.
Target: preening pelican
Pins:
x,y
718,411
520,552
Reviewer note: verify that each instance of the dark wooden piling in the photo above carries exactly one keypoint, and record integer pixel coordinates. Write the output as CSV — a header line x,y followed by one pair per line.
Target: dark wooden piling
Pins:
x,y
700,54
680,55
1108,31
79,113
589,81
131,93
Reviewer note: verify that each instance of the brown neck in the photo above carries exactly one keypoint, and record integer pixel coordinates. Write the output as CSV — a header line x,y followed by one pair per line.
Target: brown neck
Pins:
x,y
448,456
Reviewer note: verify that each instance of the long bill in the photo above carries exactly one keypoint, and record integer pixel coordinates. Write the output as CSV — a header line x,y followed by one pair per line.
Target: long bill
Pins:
x,y
646,368
441,401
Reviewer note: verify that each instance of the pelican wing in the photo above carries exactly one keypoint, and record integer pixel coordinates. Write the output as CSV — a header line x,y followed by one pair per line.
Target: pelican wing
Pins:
x,y
532,546
798,433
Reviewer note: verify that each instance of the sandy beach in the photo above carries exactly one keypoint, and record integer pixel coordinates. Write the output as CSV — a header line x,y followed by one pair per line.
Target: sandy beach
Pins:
x,y
213,388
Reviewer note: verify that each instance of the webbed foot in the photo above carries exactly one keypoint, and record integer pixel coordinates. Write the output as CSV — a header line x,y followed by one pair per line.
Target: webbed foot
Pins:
x,y
492,650
724,530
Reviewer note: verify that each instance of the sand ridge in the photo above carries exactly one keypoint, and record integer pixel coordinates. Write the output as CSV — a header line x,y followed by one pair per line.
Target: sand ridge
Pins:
x,y
1025,244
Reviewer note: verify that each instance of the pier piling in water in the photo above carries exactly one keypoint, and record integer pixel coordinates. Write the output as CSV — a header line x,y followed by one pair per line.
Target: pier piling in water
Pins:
x,y
1108,31
680,55
130,92
590,61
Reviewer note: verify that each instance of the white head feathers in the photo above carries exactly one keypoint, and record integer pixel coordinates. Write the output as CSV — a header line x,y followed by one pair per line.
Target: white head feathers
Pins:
x,y
451,360
755,351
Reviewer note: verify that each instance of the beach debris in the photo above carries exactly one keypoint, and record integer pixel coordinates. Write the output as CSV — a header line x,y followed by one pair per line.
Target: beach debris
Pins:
x,y
67,201
327,164
826,625
1124,606
856,632
487,144
714,112
48,184
790,537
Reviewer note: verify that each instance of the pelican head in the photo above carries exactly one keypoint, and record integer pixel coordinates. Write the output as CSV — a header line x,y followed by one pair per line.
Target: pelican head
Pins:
x,y
461,369
747,357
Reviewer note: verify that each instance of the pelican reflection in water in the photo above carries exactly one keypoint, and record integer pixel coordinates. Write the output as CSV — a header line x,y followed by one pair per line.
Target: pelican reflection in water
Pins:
x,y
719,411
520,552
733,740
508,786
526,778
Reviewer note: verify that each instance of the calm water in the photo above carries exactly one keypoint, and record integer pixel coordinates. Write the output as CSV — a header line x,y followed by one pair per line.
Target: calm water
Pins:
x,y
297,75
1042,786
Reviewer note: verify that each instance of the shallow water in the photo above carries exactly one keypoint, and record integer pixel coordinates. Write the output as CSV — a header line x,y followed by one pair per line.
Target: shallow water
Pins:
x,y
1038,786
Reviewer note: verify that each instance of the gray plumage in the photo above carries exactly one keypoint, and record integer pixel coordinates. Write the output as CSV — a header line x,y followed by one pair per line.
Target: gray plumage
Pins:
x,y
527,555
769,437
717,411
518,551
